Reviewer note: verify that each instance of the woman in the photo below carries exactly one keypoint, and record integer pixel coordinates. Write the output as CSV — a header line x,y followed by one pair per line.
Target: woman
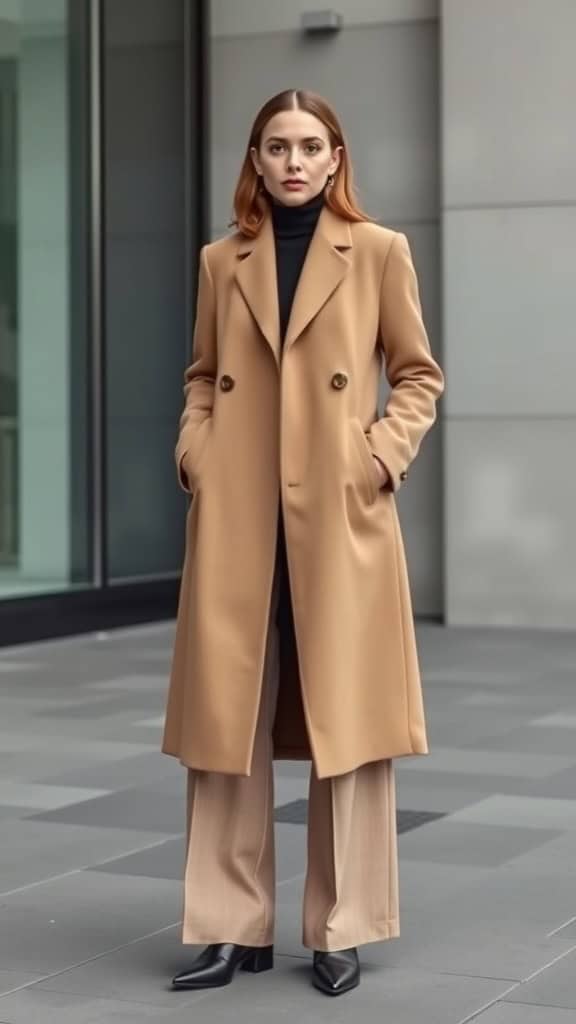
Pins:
x,y
294,636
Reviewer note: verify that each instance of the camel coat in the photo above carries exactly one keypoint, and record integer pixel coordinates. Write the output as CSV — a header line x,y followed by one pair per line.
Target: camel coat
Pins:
x,y
261,426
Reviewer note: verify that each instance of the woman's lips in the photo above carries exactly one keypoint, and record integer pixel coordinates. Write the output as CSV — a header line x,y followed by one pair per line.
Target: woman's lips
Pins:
x,y
293,185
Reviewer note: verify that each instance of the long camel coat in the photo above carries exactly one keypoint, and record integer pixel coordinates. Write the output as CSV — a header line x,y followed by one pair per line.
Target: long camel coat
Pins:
x,y
261,426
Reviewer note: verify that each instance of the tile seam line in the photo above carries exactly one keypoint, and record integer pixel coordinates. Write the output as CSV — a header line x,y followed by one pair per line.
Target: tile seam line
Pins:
x,y
115,949
91,866
88,960
542,1006
561,927
517,985
301,957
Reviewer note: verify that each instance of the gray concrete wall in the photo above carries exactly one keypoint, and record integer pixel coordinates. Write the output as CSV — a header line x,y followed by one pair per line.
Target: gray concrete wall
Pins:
x,y
509,294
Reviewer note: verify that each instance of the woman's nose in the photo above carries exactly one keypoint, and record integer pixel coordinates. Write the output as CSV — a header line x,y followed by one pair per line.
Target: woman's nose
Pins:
x,y
294,163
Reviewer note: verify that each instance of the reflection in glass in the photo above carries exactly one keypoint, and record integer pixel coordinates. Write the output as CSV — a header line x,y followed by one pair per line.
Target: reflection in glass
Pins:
x,y
38,415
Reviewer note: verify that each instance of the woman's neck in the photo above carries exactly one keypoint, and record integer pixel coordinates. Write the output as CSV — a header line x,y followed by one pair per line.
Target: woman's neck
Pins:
x,y
296,220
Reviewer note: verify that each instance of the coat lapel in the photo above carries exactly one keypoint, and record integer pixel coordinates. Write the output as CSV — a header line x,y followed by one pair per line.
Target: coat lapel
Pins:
x,y
327,261
256,277
324,267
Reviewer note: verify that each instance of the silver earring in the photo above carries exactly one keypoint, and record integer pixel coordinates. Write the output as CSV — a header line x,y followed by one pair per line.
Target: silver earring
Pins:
x,y
330,180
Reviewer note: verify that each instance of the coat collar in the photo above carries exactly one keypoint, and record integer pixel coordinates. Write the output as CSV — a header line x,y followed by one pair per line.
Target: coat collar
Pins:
x,y
327,261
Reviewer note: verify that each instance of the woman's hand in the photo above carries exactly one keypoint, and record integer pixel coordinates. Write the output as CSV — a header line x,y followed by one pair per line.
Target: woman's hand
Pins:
x,y
382,471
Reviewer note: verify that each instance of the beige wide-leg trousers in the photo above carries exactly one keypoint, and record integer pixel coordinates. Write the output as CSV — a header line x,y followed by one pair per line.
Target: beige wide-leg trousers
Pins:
x,y
351,888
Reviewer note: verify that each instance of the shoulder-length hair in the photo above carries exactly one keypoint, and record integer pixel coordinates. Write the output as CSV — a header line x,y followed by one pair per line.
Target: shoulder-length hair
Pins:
x,y
250,204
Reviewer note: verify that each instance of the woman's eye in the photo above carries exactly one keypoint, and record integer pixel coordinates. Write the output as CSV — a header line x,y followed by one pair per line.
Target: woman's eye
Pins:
x,y
276,147
313,147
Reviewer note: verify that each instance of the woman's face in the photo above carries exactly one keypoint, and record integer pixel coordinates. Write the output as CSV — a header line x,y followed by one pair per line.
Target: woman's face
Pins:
x,y
295,156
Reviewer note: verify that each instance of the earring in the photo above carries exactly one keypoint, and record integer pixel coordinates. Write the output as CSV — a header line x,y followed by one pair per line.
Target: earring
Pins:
x,y
330,180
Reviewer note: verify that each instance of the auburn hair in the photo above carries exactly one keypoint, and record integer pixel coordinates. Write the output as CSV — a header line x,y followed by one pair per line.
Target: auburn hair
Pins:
x,y
250,203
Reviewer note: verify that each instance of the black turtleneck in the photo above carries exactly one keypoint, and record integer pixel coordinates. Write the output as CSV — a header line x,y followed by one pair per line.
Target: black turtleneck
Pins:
x,y
293,230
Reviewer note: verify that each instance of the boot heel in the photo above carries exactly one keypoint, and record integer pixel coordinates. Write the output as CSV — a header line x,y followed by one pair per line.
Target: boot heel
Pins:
x,y
262,959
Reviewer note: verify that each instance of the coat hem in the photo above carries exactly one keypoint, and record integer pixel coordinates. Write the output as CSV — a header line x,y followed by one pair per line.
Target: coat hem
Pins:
x,y
293,754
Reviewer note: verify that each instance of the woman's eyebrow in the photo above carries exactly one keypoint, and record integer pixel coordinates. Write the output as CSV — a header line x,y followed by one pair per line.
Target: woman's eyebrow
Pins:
x,y
309,138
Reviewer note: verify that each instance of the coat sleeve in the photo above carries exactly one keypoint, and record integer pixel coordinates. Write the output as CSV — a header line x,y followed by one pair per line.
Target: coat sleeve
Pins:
x,y
199,377
415,379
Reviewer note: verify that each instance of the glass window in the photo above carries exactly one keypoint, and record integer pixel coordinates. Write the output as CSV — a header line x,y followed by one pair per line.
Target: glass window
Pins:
x,y
146,341
43,406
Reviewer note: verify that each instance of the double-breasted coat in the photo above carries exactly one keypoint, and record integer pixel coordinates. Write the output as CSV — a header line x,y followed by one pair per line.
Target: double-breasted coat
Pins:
x,y
299,424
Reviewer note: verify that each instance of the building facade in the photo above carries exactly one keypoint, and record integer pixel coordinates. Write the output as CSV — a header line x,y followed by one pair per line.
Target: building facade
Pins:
x,y
122,128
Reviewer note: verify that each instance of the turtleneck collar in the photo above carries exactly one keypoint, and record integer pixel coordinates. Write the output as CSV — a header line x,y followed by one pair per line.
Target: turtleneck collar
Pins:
x,y
296,221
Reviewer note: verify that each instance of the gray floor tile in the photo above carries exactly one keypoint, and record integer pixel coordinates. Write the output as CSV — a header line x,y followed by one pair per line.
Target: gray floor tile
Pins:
x,y
14,813
8,667
130,808
13,979
568,930
81,746
293,769
521,812
141,972
164,861
538,741
506,1013
491,762
556,858
49,928
530,898
102,706
32,851
284,993
477,786
451,841
287,788
293,813
484,948
484,892
554,986
38,1006
561,785
124,774
63,767
28,794
138,684
119,727
557,719
425,884
424,794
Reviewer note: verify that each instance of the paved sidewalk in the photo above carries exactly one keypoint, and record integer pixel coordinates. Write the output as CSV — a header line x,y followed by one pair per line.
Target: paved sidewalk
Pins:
x,y
91,846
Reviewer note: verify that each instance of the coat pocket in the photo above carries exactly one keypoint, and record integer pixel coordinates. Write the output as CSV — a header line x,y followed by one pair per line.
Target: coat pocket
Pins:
x,y
195,455
370,482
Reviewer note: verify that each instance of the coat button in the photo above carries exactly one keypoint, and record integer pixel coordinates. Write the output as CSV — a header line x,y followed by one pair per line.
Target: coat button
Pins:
x,y
226,383
339,381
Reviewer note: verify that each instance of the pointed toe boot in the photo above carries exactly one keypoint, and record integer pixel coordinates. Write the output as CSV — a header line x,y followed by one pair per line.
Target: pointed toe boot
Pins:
x,y
217,964
336,972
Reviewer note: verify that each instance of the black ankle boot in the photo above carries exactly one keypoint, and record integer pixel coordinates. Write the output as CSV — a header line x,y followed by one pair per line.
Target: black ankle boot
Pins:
x,y
217,963
336,972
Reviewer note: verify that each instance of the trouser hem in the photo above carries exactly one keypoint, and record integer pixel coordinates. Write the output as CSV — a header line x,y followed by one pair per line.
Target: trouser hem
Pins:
x,y
331,943
190,938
